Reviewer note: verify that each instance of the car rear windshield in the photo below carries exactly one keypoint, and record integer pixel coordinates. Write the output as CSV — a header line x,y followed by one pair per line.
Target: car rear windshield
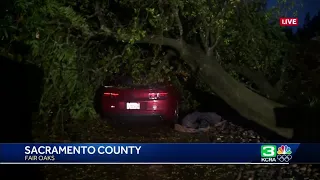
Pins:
x,y
127,81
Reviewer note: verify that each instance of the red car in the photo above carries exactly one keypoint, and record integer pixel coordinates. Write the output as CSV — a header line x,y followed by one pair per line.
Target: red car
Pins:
x,y
153,102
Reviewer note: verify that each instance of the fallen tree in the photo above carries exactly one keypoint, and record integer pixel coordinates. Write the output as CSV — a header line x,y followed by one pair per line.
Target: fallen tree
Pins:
x,y
249,104
78,44
202,58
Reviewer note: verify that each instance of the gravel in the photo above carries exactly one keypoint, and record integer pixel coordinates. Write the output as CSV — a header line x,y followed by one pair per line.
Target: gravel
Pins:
x,y
231,133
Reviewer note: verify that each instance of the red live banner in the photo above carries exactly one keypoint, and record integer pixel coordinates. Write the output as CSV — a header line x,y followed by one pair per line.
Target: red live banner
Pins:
x,y
288,22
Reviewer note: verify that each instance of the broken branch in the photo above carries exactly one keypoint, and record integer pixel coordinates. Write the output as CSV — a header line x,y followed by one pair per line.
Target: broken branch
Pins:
x,y
216,41
99,13
179,24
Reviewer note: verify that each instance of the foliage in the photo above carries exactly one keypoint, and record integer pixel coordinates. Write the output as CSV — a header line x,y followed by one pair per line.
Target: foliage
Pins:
x,y
310,29
303,84
256,40
79,44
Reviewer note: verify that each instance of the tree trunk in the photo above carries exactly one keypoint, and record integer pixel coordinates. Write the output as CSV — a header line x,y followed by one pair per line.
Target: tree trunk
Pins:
x,y
249,104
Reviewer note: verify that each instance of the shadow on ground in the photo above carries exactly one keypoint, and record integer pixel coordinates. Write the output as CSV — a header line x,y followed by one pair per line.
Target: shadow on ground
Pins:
x,y
304,120
20,94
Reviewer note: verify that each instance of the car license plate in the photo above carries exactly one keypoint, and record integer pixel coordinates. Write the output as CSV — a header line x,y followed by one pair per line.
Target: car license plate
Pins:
x,y
133,105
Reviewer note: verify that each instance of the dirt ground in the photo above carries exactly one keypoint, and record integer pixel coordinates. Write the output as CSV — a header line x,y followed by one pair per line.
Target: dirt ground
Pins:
x,y
97,131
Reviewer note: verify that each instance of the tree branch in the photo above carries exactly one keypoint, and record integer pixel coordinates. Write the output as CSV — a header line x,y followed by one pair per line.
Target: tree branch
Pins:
x,y
160,40
179,24
211,42
213,45
100,14
284,74
185,50
211,37
204,40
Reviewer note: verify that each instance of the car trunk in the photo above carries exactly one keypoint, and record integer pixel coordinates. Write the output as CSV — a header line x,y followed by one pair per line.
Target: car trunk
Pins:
x,y
123,94
135,93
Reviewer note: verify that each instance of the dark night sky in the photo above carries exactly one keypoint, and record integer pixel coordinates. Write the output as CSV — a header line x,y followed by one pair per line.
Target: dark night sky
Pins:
x,y
312,6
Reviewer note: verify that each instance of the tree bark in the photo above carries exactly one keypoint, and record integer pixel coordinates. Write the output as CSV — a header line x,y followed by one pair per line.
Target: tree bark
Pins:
x,y
249,104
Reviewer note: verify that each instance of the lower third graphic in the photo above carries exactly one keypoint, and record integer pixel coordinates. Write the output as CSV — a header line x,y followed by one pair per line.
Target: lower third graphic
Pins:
x,y
284,153
272,154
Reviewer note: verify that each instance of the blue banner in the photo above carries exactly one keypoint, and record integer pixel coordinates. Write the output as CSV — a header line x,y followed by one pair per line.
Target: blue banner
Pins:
x,y
177,153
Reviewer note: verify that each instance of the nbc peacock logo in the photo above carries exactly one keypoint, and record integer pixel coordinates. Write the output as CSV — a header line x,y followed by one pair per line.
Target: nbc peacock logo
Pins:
x,y
284,153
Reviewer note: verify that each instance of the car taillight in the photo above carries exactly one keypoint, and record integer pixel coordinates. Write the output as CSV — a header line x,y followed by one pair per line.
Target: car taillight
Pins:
x,y
110,94
158,95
